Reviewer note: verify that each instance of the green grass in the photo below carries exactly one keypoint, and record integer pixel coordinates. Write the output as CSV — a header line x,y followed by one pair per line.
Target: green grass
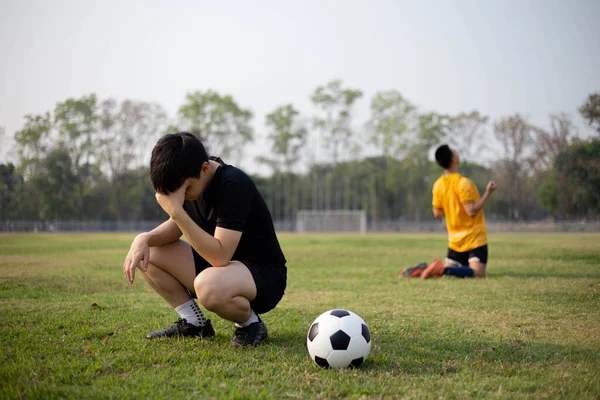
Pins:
x,y
71,326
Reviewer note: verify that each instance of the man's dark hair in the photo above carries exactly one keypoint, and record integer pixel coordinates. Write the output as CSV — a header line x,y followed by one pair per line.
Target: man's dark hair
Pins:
x,y
443,156
176,157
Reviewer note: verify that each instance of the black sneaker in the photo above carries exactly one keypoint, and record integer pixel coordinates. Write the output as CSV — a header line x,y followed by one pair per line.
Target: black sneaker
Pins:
x,y
182,328
252,335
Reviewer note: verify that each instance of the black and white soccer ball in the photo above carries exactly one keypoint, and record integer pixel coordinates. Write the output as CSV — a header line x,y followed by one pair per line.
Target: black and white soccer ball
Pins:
x,y
338,339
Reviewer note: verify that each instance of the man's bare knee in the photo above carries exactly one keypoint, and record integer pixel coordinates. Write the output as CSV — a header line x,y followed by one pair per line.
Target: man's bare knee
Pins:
x,y
149,272
157,253
175,259
210,294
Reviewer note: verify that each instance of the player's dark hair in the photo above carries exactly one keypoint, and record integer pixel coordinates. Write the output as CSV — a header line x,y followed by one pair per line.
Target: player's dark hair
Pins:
x,y
443,156
176,157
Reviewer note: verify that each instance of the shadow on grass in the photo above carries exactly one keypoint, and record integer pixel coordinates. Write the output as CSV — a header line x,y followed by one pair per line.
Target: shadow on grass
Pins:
x,y
448,356
288,339
542,274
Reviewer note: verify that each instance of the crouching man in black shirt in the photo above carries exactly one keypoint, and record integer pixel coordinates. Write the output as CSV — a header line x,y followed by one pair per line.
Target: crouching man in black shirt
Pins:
x,y
232,262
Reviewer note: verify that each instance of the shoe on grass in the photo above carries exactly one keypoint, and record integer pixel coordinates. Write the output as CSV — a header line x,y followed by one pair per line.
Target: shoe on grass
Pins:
x,y
183,328
435,269
252,335
413,272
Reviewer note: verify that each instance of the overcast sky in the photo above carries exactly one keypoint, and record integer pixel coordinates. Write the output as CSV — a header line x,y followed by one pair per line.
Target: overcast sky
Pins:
x,y
499,57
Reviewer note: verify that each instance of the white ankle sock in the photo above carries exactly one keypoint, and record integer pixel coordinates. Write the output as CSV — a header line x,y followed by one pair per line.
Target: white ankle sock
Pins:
x,y
191,313
253,318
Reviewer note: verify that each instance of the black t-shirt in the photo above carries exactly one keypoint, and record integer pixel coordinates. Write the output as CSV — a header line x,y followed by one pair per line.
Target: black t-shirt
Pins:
x,y
232,201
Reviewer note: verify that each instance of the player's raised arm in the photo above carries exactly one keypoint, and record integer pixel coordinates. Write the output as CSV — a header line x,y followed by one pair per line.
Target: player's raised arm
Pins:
x,y
473,208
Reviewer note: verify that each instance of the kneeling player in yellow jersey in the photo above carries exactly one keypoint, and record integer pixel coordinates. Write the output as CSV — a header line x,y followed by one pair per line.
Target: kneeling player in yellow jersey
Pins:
x,y
457,198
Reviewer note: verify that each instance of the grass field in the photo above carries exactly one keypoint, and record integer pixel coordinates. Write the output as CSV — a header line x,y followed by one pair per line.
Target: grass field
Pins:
x,y
71,326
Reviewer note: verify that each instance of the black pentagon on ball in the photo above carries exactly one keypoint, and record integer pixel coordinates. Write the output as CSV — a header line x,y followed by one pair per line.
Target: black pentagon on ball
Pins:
x,y
356,362
313,331
365,333
340,340
340,313
321,362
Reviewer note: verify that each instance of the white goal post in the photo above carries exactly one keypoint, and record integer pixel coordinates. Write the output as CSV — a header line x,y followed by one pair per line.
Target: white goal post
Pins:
x,y
331,221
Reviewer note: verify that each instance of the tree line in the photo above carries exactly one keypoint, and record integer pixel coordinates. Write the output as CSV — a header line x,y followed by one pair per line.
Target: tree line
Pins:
x,y
88,158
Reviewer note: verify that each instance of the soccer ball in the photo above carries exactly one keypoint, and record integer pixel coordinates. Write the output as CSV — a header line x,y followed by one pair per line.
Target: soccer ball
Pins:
x,y
338,339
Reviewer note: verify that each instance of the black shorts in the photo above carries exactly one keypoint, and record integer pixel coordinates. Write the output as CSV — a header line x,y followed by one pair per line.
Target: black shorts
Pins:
x,y
270,282
463,258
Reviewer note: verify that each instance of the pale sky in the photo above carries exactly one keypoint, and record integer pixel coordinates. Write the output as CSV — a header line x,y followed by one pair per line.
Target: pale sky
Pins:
x,y
499,57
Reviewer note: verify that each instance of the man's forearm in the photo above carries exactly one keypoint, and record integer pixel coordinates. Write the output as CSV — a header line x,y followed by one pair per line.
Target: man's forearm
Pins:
x,y
204,243
480,203
165,233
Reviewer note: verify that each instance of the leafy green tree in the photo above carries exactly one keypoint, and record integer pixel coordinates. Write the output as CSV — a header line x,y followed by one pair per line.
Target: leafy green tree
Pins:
x,y
431,130
57,182
10,182
548,145
76,121
218,121
548,192
560,192
117,145
127,130
590,110
3,146
571,190
33,141
334,125
287,135
391,119
336,104
32,144
97,202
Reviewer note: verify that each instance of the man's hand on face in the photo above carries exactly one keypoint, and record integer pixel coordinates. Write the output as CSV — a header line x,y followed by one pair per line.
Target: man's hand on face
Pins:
x,y
173,203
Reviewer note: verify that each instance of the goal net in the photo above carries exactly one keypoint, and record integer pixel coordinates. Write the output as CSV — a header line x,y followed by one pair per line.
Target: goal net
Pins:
x,y
331,221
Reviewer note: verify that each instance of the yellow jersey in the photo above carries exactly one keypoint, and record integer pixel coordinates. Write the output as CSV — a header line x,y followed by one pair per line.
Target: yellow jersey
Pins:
x,y
450,193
